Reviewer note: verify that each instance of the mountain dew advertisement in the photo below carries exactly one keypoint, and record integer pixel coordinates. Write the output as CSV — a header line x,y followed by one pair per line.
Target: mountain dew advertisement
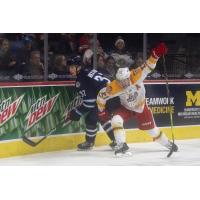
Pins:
x,y
36,110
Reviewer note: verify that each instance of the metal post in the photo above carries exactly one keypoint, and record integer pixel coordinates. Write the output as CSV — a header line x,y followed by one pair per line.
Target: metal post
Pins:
x,y
46,56
95,50
144,46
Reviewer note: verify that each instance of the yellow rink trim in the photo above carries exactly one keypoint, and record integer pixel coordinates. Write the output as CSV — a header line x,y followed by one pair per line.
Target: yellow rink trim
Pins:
x,y
63,142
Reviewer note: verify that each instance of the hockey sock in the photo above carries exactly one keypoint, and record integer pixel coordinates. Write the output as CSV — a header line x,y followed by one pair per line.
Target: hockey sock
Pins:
x,y
90,133
119,132
120,135
108,129
159,137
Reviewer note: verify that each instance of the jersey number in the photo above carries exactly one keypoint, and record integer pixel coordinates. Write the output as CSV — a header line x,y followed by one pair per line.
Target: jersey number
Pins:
x,y
97,76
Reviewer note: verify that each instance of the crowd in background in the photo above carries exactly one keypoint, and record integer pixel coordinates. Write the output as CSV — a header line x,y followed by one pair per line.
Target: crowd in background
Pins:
x,y
22,55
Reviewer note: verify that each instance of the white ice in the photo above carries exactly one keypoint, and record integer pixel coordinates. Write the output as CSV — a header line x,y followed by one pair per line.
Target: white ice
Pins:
x,y
144,154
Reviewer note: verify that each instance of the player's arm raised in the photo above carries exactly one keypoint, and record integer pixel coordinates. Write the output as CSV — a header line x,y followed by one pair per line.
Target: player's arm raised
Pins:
x,y
150,64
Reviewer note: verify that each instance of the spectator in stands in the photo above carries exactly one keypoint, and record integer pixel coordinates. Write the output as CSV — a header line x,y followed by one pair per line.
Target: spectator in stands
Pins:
x,y
8,61
35,67
71,43
111,66
60,66
101,52
24,53
101,64
65,43
138,61
106,67
85,42
121,53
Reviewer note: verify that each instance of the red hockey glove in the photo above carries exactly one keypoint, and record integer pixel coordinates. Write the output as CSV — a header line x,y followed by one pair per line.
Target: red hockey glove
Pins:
x,y
160,50
103,116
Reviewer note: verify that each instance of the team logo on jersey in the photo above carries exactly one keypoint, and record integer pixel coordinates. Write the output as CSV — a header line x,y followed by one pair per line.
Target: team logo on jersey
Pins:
x,y
132,97
8,109
78,84
40,109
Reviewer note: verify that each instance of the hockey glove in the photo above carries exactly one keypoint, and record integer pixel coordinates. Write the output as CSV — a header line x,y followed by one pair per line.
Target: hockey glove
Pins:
x,y
160,50
73,115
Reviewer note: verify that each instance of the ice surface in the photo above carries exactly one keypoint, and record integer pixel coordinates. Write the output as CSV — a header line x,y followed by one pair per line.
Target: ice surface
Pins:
x,y
144,154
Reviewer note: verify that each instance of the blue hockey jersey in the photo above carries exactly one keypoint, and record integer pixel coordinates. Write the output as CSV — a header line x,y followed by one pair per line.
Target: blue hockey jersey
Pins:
x,y
88,83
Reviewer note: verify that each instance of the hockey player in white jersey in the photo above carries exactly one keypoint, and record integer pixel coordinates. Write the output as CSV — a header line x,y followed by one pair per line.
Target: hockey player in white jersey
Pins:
x,y
130,88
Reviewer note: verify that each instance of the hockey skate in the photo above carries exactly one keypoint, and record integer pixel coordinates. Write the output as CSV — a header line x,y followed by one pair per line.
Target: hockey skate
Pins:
x,y
113,145
172,148
85,146
122,150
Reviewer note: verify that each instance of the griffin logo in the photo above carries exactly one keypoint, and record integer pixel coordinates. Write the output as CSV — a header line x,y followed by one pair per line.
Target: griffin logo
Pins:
x,y
40,109
8,109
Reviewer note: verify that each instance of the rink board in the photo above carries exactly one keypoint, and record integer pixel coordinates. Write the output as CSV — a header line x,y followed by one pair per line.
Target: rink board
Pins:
x,y
31,98
70,141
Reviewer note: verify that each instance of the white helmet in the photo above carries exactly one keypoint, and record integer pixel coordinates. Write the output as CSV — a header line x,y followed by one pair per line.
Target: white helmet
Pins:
x,y
122,74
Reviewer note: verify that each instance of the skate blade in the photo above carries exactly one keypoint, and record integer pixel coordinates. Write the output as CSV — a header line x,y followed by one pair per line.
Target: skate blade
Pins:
x,y
113,148
126,154
90,149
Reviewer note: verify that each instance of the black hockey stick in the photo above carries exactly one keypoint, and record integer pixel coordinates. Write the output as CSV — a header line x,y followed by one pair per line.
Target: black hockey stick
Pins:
x,y
32,143
170,107
73,104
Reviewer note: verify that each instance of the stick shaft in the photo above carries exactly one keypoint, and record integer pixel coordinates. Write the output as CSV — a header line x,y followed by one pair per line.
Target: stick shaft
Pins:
x,y
168,96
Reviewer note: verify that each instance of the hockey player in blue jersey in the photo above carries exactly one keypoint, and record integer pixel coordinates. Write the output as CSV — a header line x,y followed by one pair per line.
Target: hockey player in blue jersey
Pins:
x,y
88,83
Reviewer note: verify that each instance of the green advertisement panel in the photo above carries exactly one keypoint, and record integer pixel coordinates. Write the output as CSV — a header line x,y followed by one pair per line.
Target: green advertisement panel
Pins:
x,y
35,111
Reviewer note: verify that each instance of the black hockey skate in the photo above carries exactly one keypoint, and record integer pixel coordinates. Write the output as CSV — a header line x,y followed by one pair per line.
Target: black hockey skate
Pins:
x,y
173,148
122,150
85,146
113,145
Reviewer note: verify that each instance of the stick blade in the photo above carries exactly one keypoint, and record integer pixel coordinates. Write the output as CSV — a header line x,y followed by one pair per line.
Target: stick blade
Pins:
x,y
29,142
170,153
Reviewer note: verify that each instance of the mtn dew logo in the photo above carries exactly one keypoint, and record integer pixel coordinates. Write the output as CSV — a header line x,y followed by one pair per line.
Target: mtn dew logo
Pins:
x,y
40,109
8,109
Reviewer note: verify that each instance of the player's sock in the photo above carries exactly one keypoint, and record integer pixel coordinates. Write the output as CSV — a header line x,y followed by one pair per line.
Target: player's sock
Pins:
x,y
89,138
160,137
163,140
118,129
120,135
108,129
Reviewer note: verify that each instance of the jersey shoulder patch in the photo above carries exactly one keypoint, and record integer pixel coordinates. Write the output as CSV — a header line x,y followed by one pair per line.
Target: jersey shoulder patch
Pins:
x,y
113,88
78,84
136,74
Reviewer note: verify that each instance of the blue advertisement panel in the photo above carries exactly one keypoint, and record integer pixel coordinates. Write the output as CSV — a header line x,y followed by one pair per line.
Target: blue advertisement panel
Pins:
x,y
184,101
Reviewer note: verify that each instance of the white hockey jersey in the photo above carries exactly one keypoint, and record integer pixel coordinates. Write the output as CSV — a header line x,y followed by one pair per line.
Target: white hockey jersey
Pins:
x,y
133,97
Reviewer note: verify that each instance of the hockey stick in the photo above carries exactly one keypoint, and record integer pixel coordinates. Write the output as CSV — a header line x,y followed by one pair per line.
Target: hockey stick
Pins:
x,y
170,107
73,104
32,143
